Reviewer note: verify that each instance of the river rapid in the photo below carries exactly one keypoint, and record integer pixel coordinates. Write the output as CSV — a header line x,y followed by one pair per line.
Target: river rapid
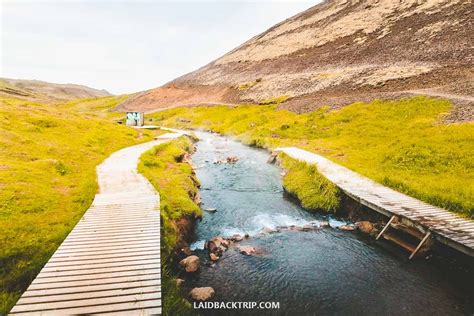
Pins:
x,y
319,272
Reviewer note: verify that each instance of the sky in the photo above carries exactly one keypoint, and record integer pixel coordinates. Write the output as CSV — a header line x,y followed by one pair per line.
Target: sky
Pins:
x,y
127,46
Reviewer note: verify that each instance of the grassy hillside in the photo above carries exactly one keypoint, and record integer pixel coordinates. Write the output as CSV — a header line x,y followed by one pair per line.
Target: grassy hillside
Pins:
x,y
96,107
402,144
48,156
46,92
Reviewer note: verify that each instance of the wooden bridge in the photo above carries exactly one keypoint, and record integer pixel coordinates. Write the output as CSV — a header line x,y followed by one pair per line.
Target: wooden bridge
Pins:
x,y
110,262
431,221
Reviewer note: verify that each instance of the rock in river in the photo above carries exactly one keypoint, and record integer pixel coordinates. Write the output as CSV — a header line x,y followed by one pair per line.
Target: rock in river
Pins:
x,y
213,257
365,226
347,227
237,237
232,159
268,230
202,293
247,250
217,245
179,282
190,264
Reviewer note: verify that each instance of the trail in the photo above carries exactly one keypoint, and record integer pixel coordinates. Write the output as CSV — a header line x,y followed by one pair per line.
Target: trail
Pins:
x,y
110,262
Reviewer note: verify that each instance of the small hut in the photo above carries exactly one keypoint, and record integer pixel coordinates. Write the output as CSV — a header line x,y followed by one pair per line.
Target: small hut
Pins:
x,y
135,118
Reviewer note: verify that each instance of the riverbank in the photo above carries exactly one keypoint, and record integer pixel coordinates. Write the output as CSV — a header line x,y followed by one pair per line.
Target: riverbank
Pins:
x,y
401,144
168,168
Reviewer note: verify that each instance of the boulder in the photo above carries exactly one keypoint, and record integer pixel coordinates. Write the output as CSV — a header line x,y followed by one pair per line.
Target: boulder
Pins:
x,y
347,227
217,245
268,230
273,158
217,242
213,257
324,224
365,226
247,250
232,159
190,264
179,282
186,251
309,227
202,293
237,237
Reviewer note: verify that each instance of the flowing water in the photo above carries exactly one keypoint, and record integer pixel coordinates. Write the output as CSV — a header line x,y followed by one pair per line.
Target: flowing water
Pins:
x,y
320,272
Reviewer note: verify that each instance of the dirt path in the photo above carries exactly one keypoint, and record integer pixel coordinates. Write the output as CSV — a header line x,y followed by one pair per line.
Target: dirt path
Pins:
x,y
450,96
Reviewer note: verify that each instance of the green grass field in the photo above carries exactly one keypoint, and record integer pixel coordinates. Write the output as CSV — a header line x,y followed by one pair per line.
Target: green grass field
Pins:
x,y
402,144
48,156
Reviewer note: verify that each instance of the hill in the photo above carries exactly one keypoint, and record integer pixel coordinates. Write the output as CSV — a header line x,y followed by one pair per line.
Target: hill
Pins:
x,y
337,53
46,92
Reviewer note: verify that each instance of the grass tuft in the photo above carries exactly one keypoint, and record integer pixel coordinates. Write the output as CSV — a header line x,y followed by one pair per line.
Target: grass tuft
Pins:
x,y
247,85
275,100
312,189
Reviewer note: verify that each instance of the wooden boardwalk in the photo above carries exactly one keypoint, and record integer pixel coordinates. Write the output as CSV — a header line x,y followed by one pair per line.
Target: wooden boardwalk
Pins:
x,y
446,227
110,262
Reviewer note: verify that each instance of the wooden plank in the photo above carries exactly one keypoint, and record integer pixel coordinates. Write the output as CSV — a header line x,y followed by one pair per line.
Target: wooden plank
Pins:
x,y
141,288
109,249
97,262
116,229
118,218
93,224
152,241
100,233
91,305
136,267
144,311
119,252
104,258
110,240
98,237
106,277
98,265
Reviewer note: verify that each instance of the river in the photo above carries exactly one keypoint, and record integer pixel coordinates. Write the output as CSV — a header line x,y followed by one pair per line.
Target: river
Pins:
x,y
320,272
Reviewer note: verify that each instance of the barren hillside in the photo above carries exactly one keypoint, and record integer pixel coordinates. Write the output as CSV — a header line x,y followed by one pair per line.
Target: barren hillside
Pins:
x,y
47,92
338,52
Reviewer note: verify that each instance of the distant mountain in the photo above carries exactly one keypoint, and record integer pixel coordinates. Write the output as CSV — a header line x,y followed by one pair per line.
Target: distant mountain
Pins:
x,y
339,52
47,92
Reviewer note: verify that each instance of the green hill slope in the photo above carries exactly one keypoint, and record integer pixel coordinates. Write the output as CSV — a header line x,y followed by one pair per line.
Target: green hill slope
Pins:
x,y
48,156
